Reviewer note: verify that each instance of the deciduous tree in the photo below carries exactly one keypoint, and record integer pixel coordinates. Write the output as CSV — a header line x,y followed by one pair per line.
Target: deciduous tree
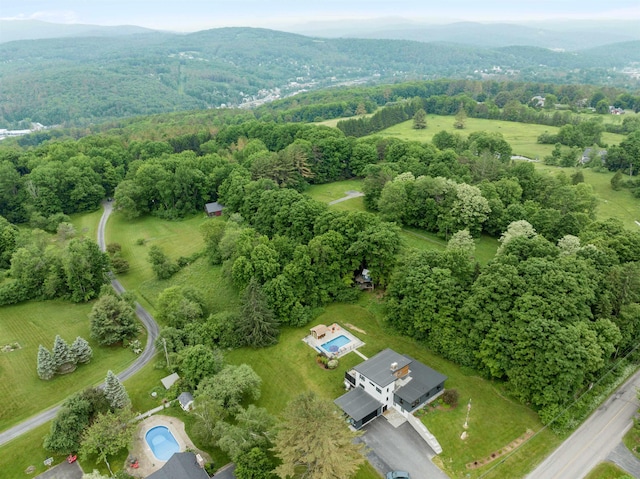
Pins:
x,y
112,320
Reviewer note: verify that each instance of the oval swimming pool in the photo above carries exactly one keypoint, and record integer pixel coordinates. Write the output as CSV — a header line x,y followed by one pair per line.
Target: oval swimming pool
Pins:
x,y
162,443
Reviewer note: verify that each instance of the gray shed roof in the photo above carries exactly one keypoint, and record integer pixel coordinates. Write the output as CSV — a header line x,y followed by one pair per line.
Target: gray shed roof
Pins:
x,y
213,207
181,465
357,404
185,398
378,368
169,380
423,380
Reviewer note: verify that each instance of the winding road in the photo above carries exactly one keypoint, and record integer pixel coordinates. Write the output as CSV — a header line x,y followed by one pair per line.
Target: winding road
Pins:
x,y
147,355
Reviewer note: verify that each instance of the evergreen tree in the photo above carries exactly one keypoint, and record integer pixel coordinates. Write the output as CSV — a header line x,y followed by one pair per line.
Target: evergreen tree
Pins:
x,y
46,366
81,350
420,120
315,442
257,326
461,119
63,358
115,392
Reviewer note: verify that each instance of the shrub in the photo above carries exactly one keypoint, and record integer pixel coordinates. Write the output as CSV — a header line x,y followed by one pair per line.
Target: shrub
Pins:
x,y
450,397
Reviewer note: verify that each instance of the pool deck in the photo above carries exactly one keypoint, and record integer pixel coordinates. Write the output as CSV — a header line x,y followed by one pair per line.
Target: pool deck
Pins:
x,y
147,462
334,331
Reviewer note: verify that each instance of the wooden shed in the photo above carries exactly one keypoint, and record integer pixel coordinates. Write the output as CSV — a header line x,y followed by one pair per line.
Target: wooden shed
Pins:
x,y
213,209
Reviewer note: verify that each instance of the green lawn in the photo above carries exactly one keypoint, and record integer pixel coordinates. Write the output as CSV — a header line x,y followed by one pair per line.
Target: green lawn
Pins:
x,y
86,224
333,191
606,470
521,136
289,369
25,451
612,204
34,323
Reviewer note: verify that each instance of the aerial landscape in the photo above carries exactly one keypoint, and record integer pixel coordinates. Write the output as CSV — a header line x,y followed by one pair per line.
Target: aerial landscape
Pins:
x,y
350,240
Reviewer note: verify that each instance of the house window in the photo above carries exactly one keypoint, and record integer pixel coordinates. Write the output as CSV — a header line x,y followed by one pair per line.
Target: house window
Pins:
x,y
379,391
372,385
362,378
439,387
361,385
415,403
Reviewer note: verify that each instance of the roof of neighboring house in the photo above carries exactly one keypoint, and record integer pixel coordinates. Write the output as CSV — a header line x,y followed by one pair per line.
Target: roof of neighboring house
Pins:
x,y
185,398
169,380
357,404
213,207
378,368
181,465
423,380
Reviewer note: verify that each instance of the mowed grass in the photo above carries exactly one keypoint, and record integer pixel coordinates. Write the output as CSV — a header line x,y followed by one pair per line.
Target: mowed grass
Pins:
x,y
86,224
34,323
26,450
289,369
334,191
606,470
521,136
611,203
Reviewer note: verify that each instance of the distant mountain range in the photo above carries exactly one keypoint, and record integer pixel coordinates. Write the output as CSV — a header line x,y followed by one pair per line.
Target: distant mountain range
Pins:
x,y
12,30
85,79
561,35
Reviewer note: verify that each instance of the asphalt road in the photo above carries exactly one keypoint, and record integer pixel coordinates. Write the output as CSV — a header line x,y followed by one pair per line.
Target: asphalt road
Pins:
x,y
147,355
592,442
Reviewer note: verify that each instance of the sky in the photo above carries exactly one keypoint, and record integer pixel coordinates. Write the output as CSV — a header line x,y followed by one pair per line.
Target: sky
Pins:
x,y
192,15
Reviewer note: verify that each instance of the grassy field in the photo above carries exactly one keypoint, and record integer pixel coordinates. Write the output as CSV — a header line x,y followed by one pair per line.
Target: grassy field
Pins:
x,y
606,470
31,324
86,224
611,204
25,451
289,369
521,136
176,238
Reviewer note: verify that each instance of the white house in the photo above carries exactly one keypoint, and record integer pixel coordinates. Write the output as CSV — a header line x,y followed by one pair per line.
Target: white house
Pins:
x,y
388,380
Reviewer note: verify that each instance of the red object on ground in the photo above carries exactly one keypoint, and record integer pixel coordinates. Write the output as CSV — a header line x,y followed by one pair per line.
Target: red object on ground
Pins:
x,y
135,465
72,458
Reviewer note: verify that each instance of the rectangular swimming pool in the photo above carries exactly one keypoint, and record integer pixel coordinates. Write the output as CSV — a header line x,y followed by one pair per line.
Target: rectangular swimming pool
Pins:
x,y
335,344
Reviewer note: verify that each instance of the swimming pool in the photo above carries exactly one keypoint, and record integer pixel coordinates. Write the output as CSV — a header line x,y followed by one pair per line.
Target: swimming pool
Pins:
x,y
335,344
162,442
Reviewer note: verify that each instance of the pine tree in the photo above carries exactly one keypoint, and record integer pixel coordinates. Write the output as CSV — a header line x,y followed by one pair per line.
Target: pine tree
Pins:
x,y
81,350
115,392
63,359
257,325
46,366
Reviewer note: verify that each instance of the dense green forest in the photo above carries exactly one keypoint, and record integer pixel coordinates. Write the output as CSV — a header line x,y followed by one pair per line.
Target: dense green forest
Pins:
x,y
548,315
81,80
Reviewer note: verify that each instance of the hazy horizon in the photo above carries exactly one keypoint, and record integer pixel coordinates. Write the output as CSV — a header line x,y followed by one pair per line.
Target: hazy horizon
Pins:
x,y
193,15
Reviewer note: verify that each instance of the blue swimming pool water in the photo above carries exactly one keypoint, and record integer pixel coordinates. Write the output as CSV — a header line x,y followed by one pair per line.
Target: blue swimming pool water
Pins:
x,y
336,343
162,442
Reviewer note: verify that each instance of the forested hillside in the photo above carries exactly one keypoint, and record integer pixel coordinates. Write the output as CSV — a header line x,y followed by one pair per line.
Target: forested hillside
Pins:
x,y
84,80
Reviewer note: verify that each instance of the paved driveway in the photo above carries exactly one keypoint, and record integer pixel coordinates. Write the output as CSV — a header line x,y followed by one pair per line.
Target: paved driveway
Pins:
x,y
400,449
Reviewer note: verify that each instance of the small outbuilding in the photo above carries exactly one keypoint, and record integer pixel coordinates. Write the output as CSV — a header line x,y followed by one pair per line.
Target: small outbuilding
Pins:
x,y
319,331
186,401
213,209
169,380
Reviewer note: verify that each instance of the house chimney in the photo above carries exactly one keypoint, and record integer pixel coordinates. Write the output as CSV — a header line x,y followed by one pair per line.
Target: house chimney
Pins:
x,y
394,366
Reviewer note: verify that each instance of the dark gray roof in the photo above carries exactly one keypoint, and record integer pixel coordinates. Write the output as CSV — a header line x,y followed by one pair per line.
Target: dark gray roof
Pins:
x,y
181,465
423,380
185,398
213,207
357,404
378,368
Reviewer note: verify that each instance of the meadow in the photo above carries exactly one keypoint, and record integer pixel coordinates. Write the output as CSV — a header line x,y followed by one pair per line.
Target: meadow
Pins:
x,y
521,136
619,204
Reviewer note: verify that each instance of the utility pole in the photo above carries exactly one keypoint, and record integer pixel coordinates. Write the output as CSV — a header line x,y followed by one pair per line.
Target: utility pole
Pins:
x,y
166,355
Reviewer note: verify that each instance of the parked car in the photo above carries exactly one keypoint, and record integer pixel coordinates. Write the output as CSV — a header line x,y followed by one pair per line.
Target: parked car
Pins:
x,y
398,475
